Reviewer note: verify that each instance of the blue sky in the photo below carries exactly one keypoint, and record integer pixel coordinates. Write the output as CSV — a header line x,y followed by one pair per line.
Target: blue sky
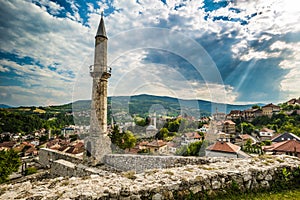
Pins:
x,y
227,51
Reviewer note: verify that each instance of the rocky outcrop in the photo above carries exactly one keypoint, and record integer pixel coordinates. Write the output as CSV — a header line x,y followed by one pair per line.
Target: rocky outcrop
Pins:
x,y
172,183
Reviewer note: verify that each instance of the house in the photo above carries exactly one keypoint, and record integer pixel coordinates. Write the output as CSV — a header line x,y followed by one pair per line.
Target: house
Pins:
x,y
294,101
204,119
190,137
248,114
285,136
288,147
172,147
67,131
151,130
270,109
35,142
157,147
77,148
7,145
56,144
229,127
223,137
243,138
226,126
266,134
26,149
31,151
138,148
219,116
225,149
257,112
204,128
234,114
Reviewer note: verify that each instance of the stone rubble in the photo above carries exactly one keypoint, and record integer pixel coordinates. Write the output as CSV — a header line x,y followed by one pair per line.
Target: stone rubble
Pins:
x,y
171,183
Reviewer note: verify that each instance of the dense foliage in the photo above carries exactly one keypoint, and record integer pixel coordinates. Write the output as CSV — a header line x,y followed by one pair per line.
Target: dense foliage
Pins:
x,y
193,149
279,122
9,163
27,121
124,140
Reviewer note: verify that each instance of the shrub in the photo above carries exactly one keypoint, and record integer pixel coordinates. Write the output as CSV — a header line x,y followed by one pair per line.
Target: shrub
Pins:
x,y
30,170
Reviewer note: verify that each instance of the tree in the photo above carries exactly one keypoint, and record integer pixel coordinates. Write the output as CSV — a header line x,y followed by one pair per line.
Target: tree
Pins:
x,y
140,121
193,149
255,106
163,133
9,163
128,140
173,126
123,140
201,134
246,127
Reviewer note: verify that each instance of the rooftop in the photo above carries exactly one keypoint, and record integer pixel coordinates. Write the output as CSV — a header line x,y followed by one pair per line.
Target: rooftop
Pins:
x,y
224,147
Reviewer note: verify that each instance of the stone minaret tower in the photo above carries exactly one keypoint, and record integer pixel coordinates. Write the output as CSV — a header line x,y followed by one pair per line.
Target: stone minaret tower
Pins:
x,y
97,144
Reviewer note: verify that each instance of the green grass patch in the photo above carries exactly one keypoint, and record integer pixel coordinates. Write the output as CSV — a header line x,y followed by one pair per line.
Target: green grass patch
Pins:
x,y
292,194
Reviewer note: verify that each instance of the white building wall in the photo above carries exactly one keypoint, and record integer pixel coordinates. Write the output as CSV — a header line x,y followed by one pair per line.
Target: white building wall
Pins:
x,y
209,153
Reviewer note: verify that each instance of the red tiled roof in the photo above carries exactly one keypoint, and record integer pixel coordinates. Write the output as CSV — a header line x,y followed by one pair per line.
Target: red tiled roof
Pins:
x,y
232,112
288,146
267,130
78,145
8,144
245,136
193,135
229,122
143,143
157,143
272,147
31,150
224,147
271,105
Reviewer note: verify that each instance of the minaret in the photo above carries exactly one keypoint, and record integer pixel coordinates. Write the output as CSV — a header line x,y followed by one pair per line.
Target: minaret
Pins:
x,y
98,143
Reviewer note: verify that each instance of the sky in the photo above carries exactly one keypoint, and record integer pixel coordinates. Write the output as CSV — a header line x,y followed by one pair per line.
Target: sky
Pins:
x,y
229,51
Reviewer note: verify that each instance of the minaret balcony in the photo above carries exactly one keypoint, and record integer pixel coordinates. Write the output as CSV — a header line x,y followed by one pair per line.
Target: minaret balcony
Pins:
x,y
99,74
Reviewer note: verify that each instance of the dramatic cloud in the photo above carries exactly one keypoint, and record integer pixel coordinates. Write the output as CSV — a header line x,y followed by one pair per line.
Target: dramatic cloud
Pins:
x,y
249,50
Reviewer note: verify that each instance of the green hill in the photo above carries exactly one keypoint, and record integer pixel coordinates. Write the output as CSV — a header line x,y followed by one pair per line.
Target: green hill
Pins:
x,y
143,104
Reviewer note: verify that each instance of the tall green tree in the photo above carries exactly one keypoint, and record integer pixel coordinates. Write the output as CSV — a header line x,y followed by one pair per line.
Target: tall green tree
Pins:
x,y
193,149
162,133
9,163
124,140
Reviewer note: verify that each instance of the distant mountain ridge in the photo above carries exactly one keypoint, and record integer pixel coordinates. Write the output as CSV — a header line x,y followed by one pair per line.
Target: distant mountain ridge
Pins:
x,y
142,104
5,106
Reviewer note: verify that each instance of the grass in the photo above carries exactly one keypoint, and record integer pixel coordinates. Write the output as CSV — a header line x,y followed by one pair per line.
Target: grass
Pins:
x,y
292,194
129,175
38,110
169,173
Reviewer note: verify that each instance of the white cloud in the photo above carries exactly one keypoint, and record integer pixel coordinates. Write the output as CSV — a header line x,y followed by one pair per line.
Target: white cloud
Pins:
x,y
53,7
132,76
68,45
39,87
252,54
48,40
291,81
4,69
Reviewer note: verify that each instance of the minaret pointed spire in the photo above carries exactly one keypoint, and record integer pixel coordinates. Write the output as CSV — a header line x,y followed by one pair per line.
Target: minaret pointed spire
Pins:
x,y
101,28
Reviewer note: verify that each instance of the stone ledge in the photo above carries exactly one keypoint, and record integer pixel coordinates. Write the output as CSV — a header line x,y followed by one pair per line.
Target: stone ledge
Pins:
x,y
172,183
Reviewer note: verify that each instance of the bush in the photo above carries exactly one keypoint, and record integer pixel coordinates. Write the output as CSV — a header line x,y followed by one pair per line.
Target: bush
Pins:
x,y
9,163
30,170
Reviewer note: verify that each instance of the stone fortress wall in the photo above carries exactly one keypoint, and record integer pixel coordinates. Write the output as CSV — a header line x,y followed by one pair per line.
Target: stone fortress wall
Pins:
x,y
48,156
64,164
140,163
186,178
